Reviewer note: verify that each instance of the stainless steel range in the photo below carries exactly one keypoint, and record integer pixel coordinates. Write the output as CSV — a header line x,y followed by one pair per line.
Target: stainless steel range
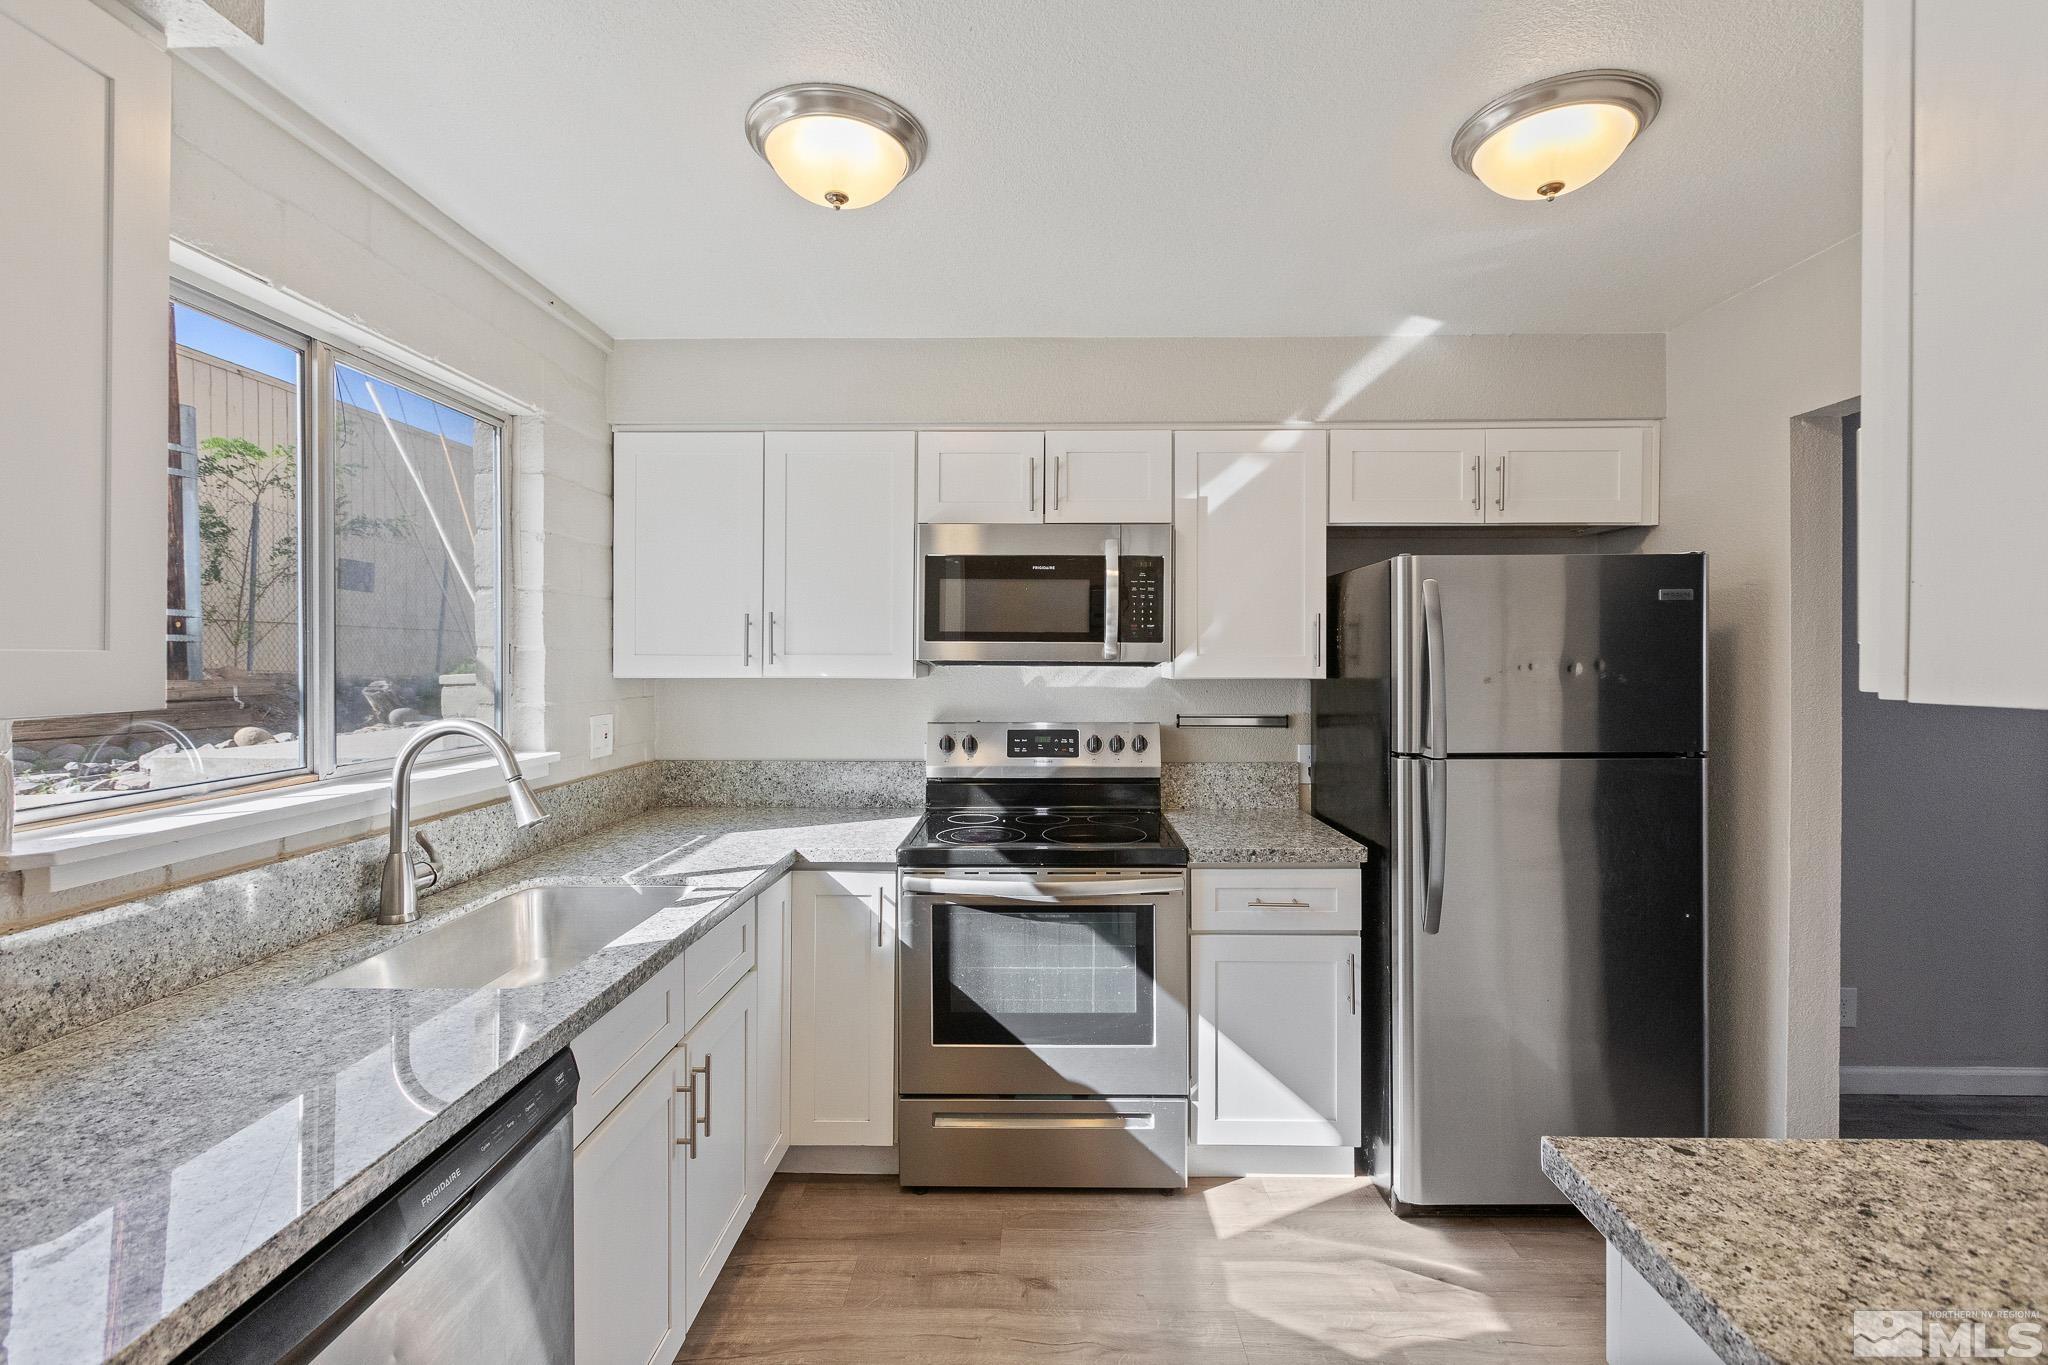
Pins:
x,y
1043,1037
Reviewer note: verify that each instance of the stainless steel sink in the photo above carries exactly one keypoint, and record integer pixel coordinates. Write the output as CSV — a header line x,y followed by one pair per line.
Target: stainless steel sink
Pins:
x,y
518,940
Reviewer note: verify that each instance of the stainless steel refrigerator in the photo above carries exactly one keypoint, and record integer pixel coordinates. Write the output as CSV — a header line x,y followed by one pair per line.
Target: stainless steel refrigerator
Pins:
x,y
1521,741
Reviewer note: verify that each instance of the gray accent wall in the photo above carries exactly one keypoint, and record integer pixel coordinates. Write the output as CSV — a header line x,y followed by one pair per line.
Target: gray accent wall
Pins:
x,y
1944,873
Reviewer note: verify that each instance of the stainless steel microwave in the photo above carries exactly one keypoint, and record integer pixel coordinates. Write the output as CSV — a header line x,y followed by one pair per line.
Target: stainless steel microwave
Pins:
x,y
1064,594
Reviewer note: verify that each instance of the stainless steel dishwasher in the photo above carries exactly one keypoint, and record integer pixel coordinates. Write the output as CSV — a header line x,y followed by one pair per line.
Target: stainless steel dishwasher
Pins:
x,y
469,1258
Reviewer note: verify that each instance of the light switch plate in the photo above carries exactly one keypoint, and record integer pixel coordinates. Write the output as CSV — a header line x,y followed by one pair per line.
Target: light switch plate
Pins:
x,y
600,736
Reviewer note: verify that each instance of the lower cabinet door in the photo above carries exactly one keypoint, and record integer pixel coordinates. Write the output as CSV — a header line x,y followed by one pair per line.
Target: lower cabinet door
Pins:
x,y
714,1166
842,1043
630,1309
1278,1041
768,1065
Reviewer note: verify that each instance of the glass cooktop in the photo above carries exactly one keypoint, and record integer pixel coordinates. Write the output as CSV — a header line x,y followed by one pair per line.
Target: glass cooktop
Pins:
x,y
1068,837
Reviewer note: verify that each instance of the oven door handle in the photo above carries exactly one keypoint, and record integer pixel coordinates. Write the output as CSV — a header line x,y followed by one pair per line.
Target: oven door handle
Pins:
x,y
977,890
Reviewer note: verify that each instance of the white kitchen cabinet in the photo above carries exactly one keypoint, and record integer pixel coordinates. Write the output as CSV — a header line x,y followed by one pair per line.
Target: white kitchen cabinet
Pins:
x,y
840,562
1417,477
686,554
1952,491
1278,1040
1274,900
1108,476
980,476
768,1060
1567,476
715,1176
86,104
842,1058
631,1307
736,555
1250,513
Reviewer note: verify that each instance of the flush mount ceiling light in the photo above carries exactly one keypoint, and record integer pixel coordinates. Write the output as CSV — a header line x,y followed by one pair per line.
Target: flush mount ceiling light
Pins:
x,y
835,145
1557,135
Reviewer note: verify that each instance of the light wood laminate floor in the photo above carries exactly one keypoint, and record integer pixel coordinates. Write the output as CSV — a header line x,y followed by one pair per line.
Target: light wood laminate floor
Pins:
x,y
1261,1271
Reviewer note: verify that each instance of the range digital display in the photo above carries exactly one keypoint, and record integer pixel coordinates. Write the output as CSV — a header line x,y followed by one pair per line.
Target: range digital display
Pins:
x,y
1045,743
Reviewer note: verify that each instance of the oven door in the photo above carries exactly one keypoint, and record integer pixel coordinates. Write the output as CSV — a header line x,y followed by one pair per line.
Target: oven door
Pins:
x,y
1043,594
1044,983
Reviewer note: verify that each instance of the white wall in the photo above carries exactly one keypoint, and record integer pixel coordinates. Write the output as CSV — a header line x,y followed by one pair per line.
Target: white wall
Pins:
x,y
1079,381
1136,380
1737,377
249,187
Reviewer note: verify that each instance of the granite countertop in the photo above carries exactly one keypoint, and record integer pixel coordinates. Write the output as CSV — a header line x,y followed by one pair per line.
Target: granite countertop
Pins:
x,y
1274,837
158,1168
1768,1248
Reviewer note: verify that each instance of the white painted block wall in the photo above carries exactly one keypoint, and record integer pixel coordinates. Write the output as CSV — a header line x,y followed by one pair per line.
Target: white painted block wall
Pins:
x,y
252,193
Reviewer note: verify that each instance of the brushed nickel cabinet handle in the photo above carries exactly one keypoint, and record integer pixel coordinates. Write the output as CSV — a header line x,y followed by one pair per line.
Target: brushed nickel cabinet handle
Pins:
x,y
689,1137
1500,484
880,914
1478,484
1351,979
771,637
1261,903
1031,486
746,639
705,1071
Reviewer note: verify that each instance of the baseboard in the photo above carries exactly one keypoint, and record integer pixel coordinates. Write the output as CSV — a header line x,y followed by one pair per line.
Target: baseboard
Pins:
x,y
1945,1080
839,1161
1239,1161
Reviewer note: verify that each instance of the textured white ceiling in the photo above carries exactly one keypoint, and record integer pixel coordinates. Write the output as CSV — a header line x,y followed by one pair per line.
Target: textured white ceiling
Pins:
x,y
1098,167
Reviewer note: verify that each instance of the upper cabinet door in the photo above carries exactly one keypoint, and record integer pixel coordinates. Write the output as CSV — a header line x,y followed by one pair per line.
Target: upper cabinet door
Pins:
x,y
980,476
1250,513
1952,489
686,554
1109,476
1278,1047
1568,476
1407,478
841,562
86,102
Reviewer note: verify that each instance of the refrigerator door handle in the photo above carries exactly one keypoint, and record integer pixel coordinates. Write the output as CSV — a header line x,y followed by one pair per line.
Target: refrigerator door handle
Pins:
x,y
1434,777
1436,681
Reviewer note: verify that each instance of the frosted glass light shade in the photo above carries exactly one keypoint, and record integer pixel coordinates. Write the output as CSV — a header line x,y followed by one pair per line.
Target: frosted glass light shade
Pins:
x,y
1556,135
835,145
1554,152
841,163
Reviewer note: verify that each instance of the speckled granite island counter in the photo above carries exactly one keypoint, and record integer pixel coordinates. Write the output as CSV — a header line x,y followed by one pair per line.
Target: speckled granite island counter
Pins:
x,y
158,1168
1770,1250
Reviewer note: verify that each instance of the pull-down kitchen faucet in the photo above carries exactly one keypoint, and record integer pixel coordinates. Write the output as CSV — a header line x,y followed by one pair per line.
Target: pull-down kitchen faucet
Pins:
x,y
399,900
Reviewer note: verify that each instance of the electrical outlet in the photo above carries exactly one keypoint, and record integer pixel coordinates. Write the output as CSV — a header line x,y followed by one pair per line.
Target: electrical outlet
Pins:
x,y
600,736
1848,1007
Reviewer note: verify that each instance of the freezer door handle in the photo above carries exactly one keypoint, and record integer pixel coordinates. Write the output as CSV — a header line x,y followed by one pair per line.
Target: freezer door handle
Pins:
x,y
1433,817
1435,681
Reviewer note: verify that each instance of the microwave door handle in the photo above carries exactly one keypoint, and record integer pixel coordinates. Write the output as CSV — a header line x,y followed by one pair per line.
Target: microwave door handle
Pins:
x,y
971,890
1112,590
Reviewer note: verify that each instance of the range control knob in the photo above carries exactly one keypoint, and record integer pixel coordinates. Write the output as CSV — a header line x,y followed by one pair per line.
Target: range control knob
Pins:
x,y
968,746
1139,744
1095,744
945,744
1116,744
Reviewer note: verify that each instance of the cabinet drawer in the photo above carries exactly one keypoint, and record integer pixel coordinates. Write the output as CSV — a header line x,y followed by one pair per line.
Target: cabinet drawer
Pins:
x,y
624,1045
715,962
1319,900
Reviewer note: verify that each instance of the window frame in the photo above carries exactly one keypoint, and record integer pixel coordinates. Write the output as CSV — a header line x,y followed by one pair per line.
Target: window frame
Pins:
x,y
316,586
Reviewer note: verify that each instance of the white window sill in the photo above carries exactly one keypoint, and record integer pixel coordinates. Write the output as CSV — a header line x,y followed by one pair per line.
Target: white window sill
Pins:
x,y
87,851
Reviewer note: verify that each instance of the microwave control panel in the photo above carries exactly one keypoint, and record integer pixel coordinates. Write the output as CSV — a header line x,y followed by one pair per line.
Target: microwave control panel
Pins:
x,y
1141,617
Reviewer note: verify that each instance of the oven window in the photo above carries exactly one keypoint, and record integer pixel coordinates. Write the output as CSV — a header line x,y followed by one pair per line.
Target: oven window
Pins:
x,y
1027,598
1073,977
